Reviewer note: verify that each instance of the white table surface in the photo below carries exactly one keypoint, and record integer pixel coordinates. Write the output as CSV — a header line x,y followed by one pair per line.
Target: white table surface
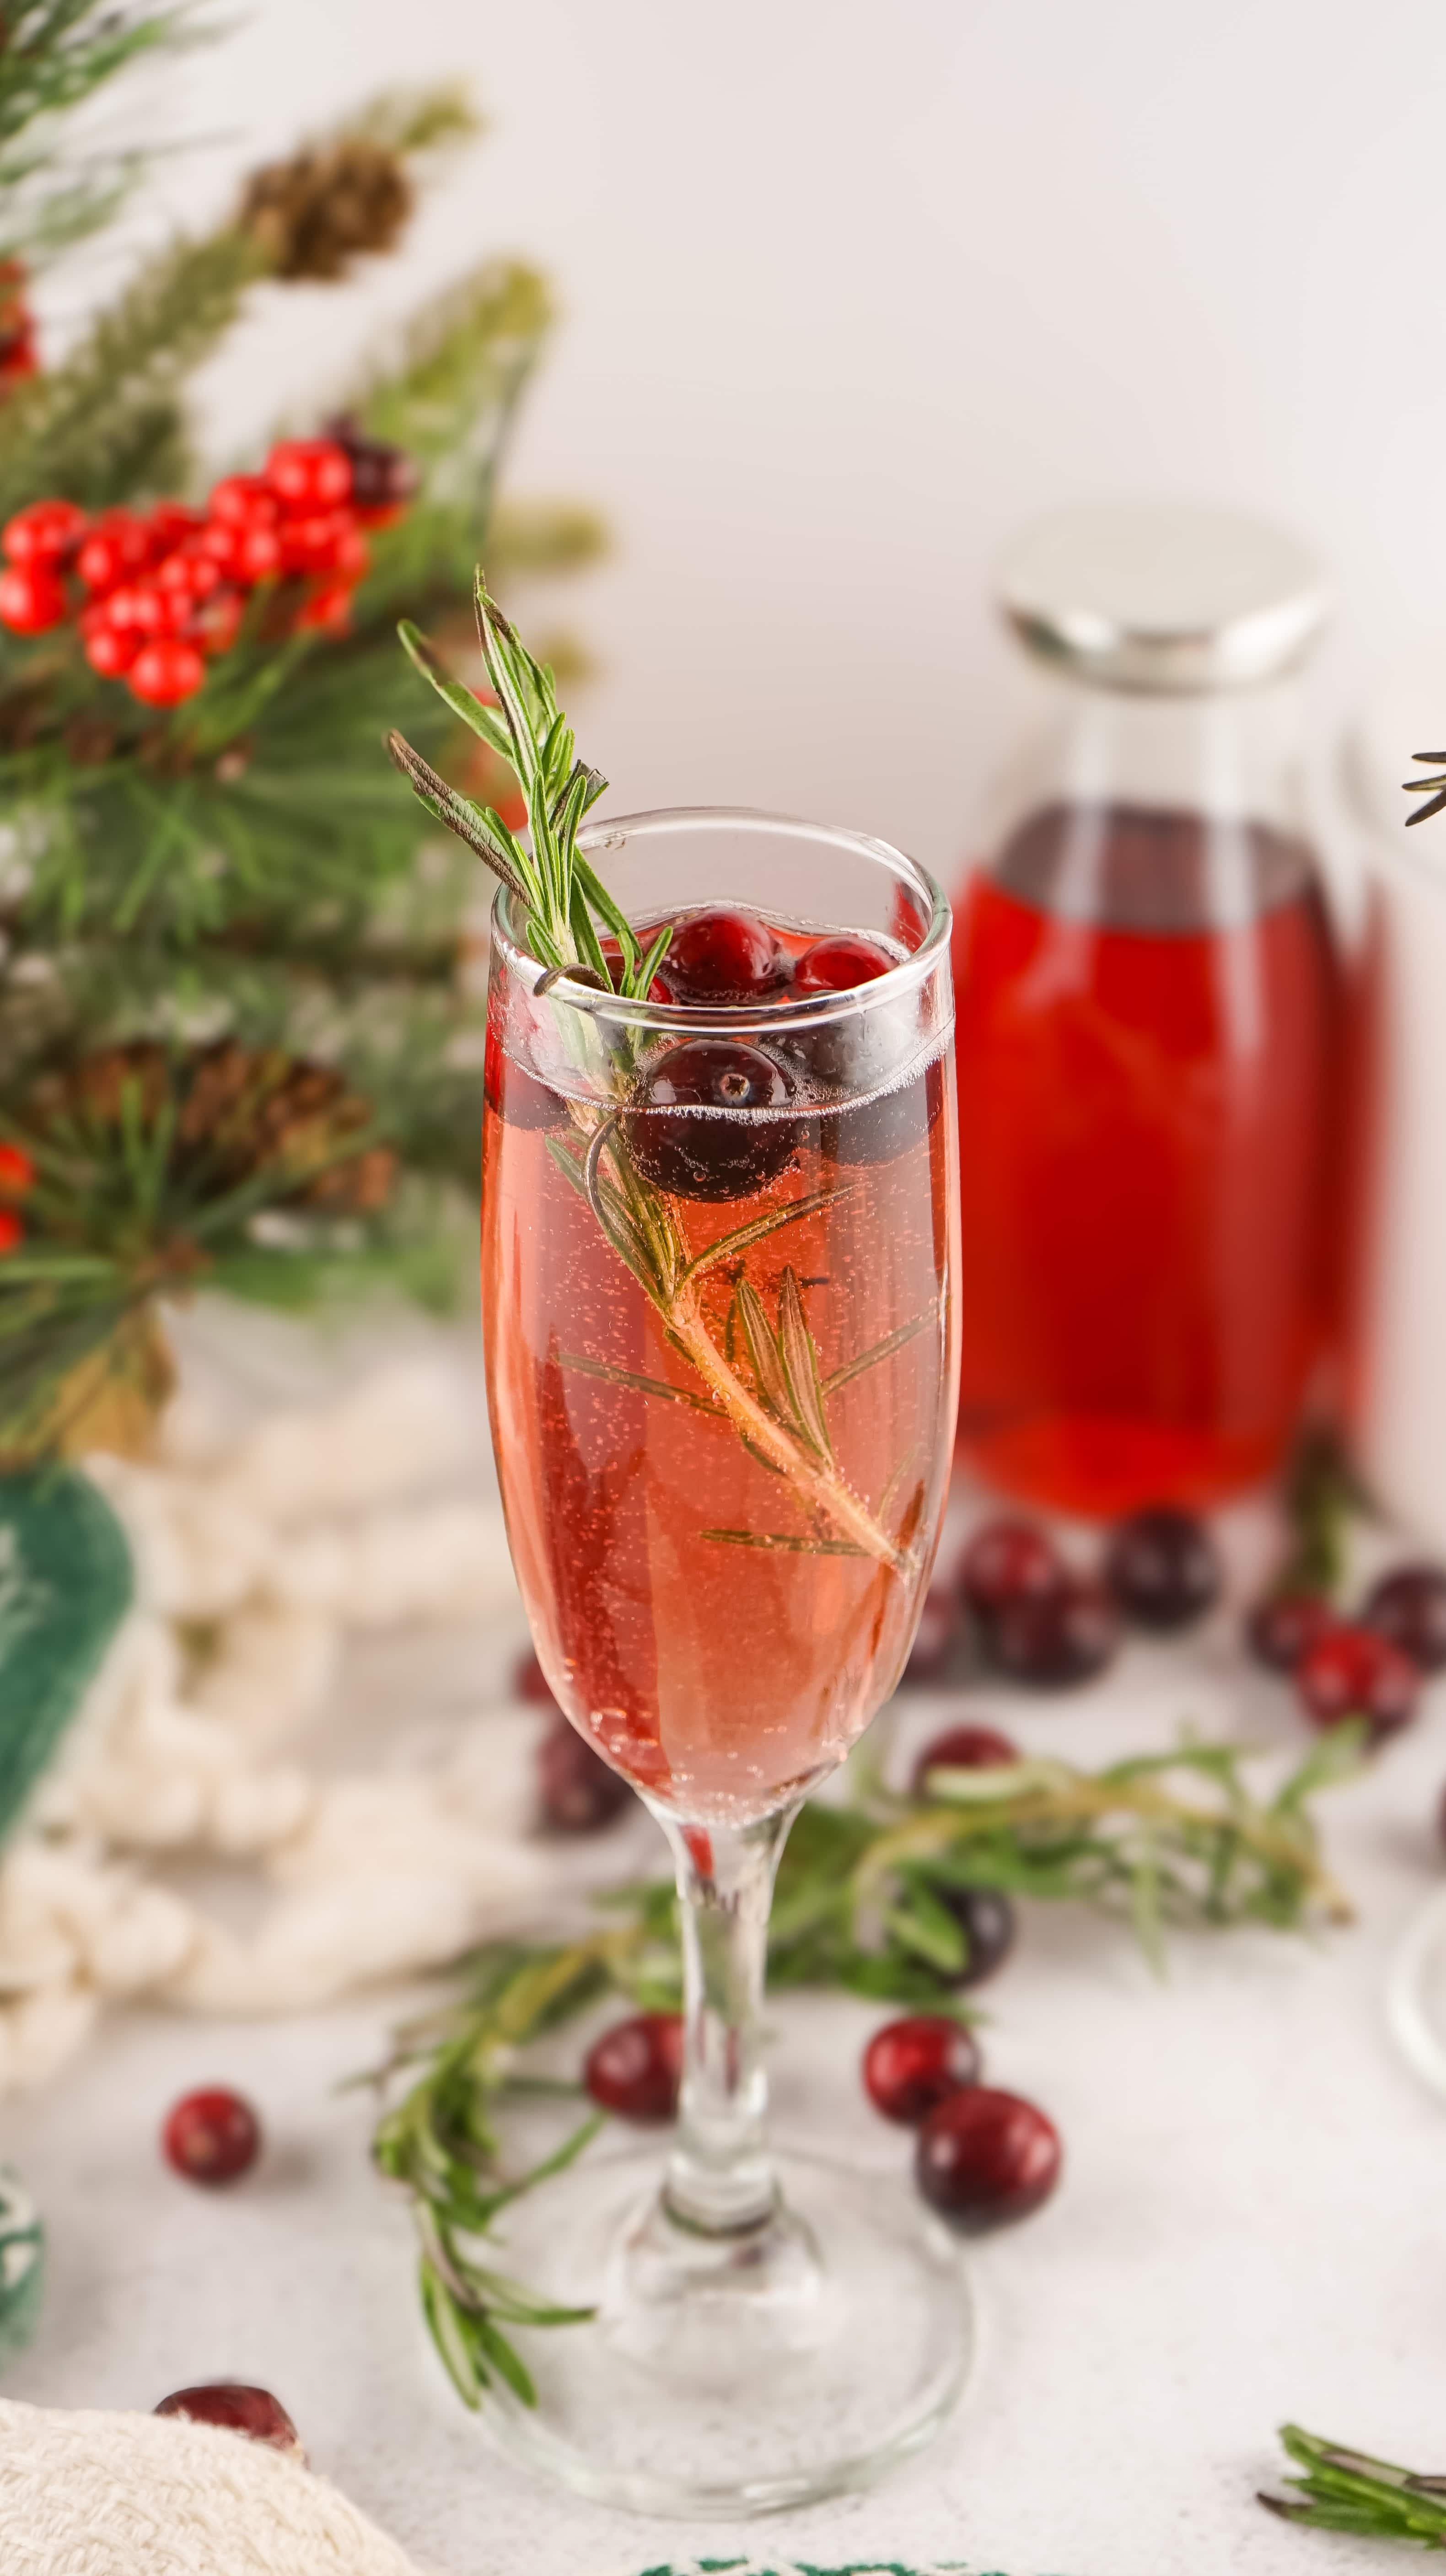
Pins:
x,y
1251,2226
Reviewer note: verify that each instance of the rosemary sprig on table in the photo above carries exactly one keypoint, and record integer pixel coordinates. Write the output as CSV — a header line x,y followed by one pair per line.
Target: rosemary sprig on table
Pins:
x,y
862,1906
1433,789
1349,2491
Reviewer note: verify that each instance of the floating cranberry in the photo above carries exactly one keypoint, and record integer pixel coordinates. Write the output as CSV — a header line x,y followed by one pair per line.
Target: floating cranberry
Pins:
x,y
986,1919
580,1792
1162,1568
1056,1640
636,2067
237,2409
985,2158
1007,1562
212,2136
962,1748
1409,1607
1353,1672
709,1123
911,2065
728,957
836,965
1284,1627
936,1637
31,598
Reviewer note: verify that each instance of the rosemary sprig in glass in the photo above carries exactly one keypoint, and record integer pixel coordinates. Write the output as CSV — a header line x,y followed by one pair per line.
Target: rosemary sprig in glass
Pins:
x,y
861,1906
1349,2491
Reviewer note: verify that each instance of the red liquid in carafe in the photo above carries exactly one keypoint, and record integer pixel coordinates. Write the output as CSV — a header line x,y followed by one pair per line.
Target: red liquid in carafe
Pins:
x,y
1146,1038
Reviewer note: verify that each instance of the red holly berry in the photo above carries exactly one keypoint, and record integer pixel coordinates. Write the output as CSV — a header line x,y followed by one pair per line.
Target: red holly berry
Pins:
x,y
45,533
1352,1672
12,1232
636,2067
327,609
911,2065
216,623
252,2411
314,542
17,1172
165,671
244,501
31,598
837,965
169,524
117,546
962,1748
985,2157
309,473
211,2136
193,574
139,607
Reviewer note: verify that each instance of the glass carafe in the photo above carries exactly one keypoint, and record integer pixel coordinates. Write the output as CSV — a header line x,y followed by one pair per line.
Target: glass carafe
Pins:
x,y
1147,1013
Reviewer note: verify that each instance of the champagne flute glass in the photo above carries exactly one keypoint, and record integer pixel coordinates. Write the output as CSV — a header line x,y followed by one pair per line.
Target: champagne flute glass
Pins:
x,y
719,1256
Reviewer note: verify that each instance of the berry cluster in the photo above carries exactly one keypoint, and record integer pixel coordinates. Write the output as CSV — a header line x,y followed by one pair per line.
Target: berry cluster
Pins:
x,y
156,596
1370,1666
17,1179
1035,1618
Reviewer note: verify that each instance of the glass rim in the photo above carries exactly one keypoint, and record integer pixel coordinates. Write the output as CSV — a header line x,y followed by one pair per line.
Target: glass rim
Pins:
x,y
906,975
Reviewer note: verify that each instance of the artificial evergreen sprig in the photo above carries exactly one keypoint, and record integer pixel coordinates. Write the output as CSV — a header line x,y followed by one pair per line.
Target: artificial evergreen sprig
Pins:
x,y
862,1904
565,898
1350,2491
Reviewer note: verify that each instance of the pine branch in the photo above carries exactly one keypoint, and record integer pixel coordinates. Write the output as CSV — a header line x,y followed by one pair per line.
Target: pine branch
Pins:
x,y
56,54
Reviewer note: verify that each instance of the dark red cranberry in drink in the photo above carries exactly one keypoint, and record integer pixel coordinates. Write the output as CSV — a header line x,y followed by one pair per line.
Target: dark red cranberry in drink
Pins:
x,y
211,2136
579,1791
911,2065
1352,1672
878,1129
986,1919
836,965
937,1637
513,1094
1409,1607
708,1123
530,1682
1058,1639
1284,1627
729,957
962,1748
985,2158
636,2067
1162,1568
236,2409
1007,1562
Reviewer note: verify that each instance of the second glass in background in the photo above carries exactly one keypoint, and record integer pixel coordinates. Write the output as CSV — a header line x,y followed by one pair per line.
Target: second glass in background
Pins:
x,y
1147,1027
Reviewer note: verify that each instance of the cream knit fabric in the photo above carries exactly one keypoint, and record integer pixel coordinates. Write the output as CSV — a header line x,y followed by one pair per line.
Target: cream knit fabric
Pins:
x,y
89,2494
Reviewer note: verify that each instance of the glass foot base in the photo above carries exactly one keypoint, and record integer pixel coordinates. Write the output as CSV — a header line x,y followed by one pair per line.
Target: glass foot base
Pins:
x,y
1416,1992
737,2375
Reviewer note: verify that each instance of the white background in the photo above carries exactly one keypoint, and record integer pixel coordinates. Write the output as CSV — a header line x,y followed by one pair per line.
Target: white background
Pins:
x,y
849,291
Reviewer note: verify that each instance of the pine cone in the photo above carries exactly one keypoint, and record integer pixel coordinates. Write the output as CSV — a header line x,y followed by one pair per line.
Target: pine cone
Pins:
x,y
313,215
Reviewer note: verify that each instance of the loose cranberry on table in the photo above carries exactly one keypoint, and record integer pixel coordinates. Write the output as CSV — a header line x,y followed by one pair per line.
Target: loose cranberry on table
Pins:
x,y
936,1638
1162,1568
1353,1672
1056,1640
212,2136
677,1146
237,2409
579,1791
962,1748
985,2158
728,957
838,965
636,2067
530,1682
1409,1607
1283,1628
911,2065
986,1919
1006,1562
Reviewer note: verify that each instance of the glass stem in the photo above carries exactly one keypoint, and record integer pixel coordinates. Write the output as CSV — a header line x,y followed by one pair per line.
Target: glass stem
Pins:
x,y
720,2177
